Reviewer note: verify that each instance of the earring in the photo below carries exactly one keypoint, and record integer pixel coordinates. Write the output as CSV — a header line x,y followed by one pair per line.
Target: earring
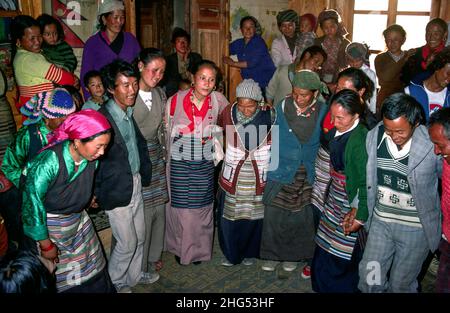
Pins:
x,y
214,88
192,84
75,147
140,69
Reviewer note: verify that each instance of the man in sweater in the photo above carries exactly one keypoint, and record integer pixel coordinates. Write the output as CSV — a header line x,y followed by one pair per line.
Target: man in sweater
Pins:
x,y
402,199
439,130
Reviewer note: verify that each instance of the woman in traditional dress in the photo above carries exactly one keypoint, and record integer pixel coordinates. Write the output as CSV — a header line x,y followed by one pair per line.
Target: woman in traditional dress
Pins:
x,y
192,117
45,112
148,113
57,190
335,264
248,140
288,228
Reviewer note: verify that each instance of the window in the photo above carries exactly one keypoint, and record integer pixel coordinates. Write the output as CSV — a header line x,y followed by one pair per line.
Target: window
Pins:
x,y
371,17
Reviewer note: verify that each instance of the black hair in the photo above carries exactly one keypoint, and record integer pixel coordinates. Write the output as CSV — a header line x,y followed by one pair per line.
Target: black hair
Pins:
x,y
395,28
248,18
111,71
350,101
147,55
400,104
22,272
441,117
313,50
360,80
89,75
18,26
440,60
45,19
180,32
439,22
107,131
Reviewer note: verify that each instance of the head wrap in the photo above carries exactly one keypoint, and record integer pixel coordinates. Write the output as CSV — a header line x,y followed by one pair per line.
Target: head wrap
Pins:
x,y
80,125
358,51
255,21
109,6
249,89
48,104
312,19
309,80
333,14
289,16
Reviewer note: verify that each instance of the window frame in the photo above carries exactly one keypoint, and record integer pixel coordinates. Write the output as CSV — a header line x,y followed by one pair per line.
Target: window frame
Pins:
x,y
391,13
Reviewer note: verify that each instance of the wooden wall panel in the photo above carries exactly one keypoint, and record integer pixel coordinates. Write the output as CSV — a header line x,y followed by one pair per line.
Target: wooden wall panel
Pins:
x,y
208,43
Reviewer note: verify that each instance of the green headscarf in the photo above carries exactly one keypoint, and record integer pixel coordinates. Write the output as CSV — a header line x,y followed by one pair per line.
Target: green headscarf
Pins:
x,y
309,80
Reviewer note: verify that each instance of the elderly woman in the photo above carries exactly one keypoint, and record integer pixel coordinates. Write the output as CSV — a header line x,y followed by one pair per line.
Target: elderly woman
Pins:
x,y
338,251
253,56
280,85
288,228
110,42
148,113
181,63
284,50
192,116
248,140
57,190
32,71
334,43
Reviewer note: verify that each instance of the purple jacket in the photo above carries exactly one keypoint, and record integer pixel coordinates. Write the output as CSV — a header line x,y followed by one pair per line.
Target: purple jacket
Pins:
x,y
97,53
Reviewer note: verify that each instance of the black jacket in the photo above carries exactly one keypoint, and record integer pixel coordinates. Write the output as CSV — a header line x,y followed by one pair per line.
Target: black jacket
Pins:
x,y
114,181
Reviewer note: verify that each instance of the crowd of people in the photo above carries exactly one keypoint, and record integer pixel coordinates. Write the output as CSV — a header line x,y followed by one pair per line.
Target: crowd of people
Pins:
x,y
312,163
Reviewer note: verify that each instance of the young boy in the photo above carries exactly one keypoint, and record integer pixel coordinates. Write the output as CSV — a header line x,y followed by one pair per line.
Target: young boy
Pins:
x,y
94,85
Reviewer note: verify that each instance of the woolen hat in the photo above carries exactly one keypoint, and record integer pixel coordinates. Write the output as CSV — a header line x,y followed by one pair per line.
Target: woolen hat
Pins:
x,y
109,6
249,89
309,80
48,104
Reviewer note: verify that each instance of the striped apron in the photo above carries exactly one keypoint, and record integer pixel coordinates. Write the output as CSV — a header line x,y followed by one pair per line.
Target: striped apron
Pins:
x,y
330,235
156,194
81,257
322,180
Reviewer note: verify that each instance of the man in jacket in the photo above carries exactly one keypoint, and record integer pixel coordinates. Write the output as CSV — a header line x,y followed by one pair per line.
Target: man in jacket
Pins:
x,y
121,174
402,199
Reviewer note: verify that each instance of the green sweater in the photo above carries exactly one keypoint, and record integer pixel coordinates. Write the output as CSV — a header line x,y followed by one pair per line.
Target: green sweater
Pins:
x,y
17,153
61,55
355,170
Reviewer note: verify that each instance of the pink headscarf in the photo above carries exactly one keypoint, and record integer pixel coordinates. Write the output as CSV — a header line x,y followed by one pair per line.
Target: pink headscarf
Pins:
x,y
79,125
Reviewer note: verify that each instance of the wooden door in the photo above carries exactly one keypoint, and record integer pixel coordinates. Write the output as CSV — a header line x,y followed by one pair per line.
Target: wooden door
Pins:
x,y
208,28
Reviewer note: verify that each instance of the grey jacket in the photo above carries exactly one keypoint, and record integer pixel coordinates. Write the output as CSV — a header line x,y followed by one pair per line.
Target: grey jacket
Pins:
x,y
424,168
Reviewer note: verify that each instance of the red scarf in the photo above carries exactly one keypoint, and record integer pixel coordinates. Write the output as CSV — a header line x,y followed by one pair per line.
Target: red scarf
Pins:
x,y
426,52
190,108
